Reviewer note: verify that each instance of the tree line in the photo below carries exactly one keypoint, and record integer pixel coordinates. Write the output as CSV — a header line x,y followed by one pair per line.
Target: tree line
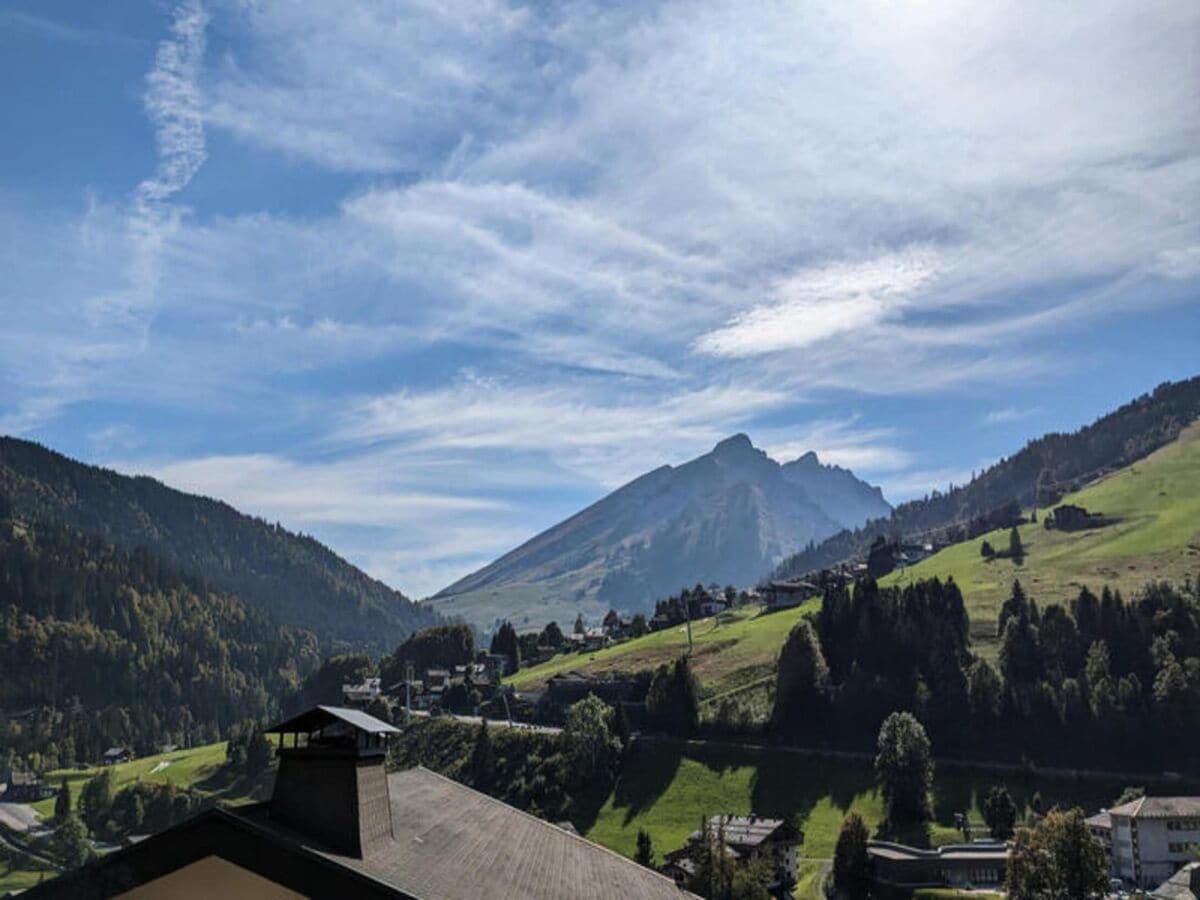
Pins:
x,y
1097,681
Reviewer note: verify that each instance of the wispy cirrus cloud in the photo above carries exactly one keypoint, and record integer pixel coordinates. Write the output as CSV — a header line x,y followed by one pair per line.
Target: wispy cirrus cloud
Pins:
x,y
815,305
1009,414
637,228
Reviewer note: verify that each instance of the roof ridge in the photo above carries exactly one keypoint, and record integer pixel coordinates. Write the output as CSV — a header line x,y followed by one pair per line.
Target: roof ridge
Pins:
x,y
576,836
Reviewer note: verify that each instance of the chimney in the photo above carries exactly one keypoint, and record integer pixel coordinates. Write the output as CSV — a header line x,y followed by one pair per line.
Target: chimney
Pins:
x,y
332,785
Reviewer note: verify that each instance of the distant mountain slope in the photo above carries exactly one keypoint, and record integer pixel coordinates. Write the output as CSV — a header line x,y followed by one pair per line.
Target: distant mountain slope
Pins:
x,y
727,516
1157,537
1039,473
294,579
1155,503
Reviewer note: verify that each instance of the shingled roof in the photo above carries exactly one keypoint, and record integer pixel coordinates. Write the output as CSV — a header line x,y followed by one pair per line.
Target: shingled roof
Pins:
x,y
1158,808
450,841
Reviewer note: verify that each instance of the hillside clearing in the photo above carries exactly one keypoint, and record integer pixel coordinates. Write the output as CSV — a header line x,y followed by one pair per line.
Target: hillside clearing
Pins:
x,y
1157,504
669,785
198,768
731,650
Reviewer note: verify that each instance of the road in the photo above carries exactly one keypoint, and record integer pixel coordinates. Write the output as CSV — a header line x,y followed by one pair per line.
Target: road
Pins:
x,y
498,723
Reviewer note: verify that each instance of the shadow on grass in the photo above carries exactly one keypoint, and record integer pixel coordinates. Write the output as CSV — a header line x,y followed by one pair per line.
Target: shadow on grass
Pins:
x,y
789,786
914,834
648,771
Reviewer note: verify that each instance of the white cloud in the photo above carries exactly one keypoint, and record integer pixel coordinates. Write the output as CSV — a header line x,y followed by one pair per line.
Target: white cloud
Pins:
x,y
814,305
351,492
1008,414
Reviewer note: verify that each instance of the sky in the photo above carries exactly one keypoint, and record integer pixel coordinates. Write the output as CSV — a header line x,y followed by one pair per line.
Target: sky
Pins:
x,y
424,278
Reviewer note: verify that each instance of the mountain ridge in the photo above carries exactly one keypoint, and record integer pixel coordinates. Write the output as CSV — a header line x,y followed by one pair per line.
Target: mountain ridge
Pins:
x,y
1038,473
723,516
292,578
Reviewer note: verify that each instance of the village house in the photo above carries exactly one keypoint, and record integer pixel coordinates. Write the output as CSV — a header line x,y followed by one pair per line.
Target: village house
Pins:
x,y
362,694
712,606
786,594
495,665
591,639
339,825
26,787
1152,837
977,864
746,838
114,755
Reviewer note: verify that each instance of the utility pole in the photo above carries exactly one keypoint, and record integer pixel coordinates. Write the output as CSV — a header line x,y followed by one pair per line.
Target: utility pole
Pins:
x,y
408,679
687,611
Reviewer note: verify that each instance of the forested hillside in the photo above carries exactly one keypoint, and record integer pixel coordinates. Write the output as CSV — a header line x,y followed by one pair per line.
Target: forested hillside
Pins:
x,y
102,646
1039,474
295,579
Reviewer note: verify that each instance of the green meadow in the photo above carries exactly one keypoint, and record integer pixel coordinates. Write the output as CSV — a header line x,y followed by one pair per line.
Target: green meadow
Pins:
x,y
198,768
669,785
1156,503
731,650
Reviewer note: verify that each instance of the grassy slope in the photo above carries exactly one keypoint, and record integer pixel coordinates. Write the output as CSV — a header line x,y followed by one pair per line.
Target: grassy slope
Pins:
x,y
193,768
22,879
731,650
670,786
1157,501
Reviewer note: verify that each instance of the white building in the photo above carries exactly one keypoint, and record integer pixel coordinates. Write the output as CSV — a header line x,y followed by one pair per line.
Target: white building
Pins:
x,y
1154,837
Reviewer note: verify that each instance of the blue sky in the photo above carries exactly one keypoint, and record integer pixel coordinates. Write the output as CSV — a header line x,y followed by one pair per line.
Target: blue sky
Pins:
x,y
424,278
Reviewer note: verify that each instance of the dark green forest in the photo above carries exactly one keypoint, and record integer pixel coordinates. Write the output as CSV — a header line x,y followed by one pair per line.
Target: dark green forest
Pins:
x,y
1094,681
294,578
102,646
1039,474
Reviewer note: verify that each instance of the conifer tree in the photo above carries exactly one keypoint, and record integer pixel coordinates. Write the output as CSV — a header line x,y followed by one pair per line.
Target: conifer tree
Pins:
x,y
851,864
645,849
62,803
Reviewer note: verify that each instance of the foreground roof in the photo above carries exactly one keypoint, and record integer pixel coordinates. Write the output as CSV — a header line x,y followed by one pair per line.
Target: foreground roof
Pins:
x,y
322,716
1158,808
448,842
1183,885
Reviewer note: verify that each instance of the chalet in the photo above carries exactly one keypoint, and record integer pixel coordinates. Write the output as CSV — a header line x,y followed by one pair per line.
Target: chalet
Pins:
x,y
1069,517
911,554
26,787
591,639
495,665
980,864
114,755
786,594
339,825
746,838
711,606
363,693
